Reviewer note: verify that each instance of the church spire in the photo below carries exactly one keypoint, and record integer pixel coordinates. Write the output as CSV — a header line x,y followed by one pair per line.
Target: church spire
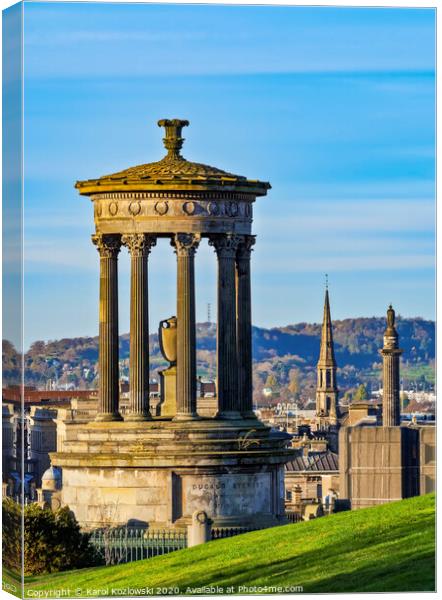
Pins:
x,y
327,352
327,391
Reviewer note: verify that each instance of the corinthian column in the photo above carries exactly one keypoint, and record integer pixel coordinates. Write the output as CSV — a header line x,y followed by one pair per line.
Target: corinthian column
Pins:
x,y
186,245
108,247
244,326
139,246
226,247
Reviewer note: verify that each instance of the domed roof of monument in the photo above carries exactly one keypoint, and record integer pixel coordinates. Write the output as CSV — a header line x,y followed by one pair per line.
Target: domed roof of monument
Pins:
x,y
51,474
173,172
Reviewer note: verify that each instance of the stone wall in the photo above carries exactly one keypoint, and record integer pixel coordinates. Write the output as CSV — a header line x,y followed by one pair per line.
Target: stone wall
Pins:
x,y
378,464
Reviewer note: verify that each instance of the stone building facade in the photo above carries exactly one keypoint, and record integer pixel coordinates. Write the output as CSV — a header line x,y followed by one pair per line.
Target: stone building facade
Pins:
x,y
315,473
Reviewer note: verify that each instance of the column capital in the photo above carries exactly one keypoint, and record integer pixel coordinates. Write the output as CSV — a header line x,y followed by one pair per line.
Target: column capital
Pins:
x,y
245,246
108,245
138,244
244,252
226,245
185,244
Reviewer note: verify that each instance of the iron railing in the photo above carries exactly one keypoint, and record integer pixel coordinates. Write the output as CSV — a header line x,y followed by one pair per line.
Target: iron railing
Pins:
x,y
225,532
123,545
293,517
126,544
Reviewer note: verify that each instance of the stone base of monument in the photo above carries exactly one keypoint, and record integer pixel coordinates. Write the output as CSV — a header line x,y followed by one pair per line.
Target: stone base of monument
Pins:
x,y
167,407
158,473
207,406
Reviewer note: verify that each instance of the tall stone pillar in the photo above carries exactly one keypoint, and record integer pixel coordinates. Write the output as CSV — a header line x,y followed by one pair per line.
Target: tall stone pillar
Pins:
x,y
139,246
391,404
244,326
186,245
226,246
108,247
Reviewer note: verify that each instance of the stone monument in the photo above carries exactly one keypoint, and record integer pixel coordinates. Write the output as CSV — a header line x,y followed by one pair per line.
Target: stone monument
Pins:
x,y
161,469
391,353
379,464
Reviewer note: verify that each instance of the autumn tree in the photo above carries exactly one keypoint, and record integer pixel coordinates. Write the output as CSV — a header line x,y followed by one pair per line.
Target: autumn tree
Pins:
x,y
271,381
361,394
294,384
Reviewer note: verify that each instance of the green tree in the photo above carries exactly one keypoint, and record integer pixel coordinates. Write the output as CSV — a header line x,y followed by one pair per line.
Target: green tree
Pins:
x,y
361,394
52,540
11,537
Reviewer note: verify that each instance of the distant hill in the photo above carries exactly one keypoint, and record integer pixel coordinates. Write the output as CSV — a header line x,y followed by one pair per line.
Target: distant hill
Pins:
x,y
280,351
389,548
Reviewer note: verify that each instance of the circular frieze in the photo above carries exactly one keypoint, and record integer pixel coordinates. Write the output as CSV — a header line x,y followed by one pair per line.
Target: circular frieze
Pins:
x,y
189,208
248,210
134,208
113,208
98,210
233,209
213,208
161,208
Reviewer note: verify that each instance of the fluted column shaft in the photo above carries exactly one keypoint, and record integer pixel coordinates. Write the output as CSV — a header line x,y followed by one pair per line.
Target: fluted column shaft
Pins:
x,y
391,408
228,402
108,393
139,246
244,326
186,245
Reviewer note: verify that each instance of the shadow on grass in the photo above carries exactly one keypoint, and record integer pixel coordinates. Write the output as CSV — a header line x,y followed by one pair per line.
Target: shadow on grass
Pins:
x,y
408,575
373,562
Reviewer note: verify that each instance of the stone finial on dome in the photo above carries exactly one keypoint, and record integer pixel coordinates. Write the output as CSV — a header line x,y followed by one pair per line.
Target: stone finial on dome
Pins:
x,y
173,141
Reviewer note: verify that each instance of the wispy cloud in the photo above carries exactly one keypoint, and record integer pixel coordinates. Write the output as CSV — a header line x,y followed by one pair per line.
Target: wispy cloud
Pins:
x,y
66,38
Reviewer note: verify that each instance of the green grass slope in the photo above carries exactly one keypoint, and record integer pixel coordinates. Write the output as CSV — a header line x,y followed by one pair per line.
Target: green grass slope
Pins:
x,y
387,548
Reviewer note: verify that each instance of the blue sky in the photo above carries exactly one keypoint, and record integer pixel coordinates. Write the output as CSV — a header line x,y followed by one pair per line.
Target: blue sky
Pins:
x,y
333,106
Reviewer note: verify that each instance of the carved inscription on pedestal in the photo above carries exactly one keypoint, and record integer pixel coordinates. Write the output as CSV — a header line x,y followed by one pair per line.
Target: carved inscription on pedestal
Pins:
x,y
227,495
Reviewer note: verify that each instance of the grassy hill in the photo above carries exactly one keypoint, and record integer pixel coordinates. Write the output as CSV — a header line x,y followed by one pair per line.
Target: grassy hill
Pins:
x,y
383,549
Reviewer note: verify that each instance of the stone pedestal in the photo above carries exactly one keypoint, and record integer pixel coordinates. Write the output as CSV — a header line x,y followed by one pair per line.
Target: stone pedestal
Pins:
x,y
168,392
161,471
200,530
378,464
